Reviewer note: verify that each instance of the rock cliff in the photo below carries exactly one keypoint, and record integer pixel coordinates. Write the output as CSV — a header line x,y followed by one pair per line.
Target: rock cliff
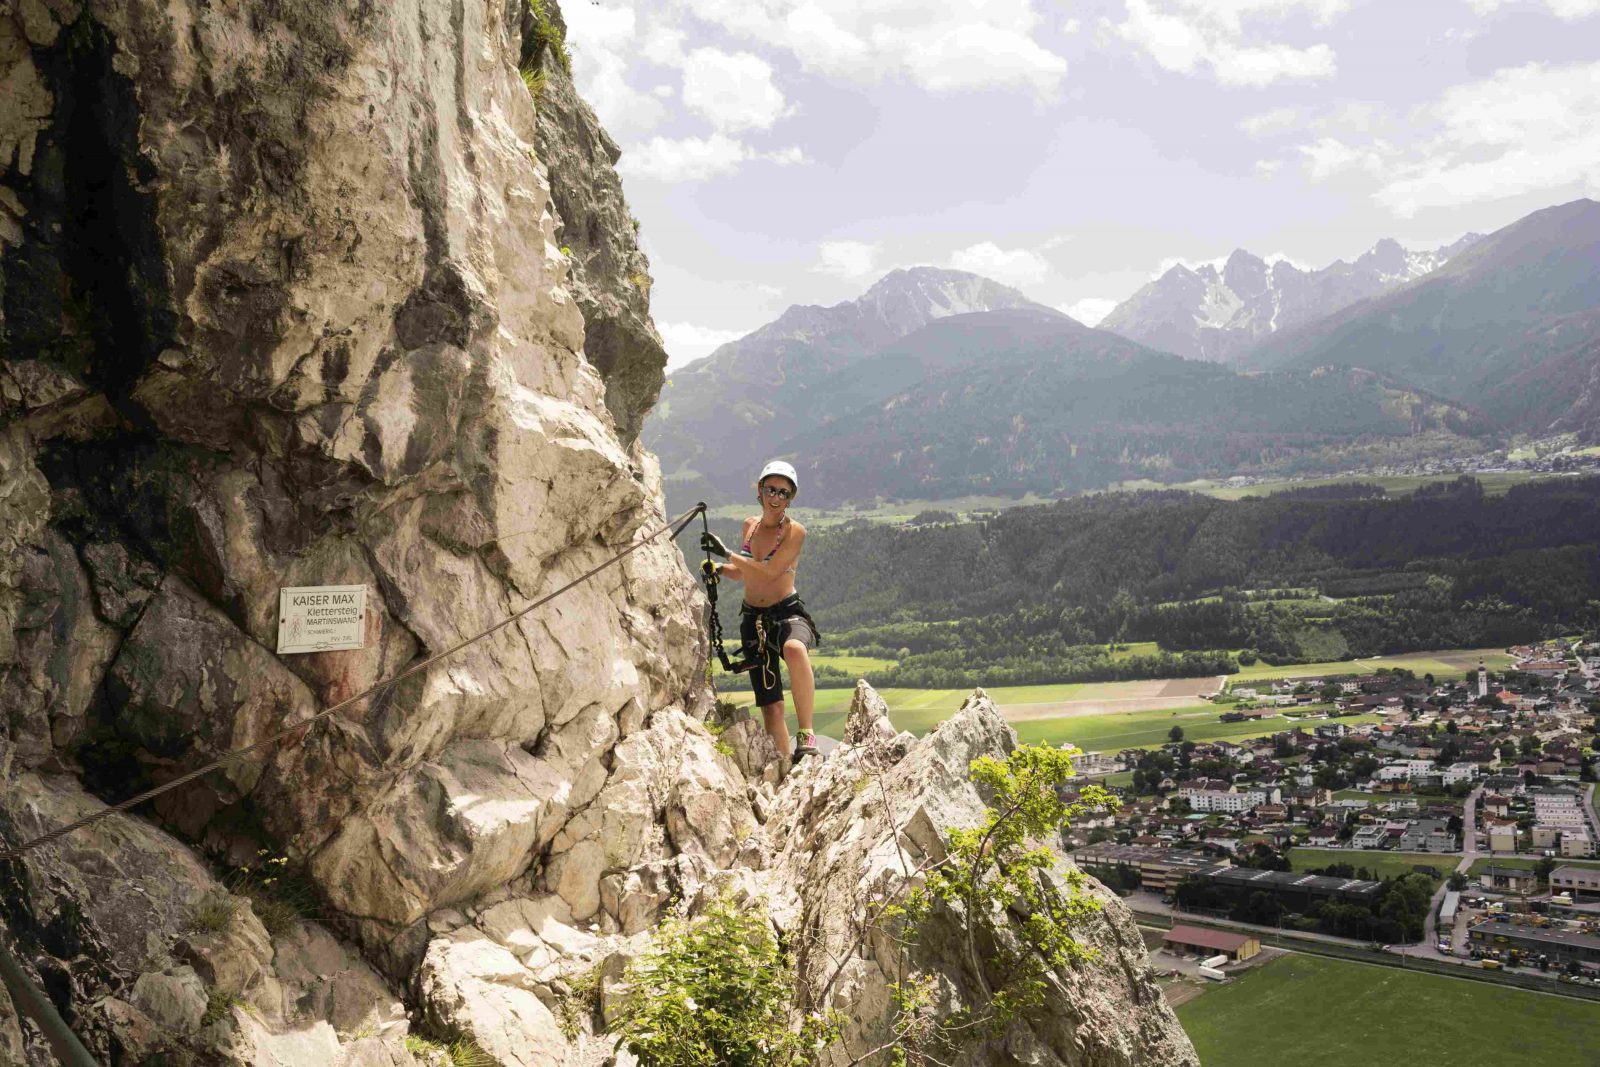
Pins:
x,y
307,293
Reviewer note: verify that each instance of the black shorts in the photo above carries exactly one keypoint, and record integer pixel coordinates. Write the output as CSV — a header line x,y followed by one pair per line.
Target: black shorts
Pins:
x,y
781,622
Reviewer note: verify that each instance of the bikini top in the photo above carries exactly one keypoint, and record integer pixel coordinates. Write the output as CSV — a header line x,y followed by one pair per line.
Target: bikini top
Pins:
x,y
746,551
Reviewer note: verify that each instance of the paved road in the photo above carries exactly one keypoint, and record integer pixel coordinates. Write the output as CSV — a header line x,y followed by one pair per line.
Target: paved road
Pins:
x,y
1469,853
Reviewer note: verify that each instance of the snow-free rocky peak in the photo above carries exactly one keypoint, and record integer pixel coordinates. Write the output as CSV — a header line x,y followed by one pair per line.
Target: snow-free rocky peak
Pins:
x,y
898,303
764,385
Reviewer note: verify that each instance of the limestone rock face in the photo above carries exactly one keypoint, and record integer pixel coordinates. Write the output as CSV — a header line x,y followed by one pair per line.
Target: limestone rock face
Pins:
x,y
609,277
154,957
852,829
284,303
298,292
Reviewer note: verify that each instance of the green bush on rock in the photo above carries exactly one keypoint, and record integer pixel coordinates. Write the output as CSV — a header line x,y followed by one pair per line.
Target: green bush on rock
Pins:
x,y
717,990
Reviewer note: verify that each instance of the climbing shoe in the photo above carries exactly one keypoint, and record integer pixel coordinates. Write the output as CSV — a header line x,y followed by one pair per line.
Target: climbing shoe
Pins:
x,y
805,744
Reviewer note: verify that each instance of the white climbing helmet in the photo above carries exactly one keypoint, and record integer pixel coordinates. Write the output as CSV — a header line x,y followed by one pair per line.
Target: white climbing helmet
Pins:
x,y
782,470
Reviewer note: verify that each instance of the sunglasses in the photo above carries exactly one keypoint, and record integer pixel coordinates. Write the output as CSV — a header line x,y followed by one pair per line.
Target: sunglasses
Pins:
x,y
777,491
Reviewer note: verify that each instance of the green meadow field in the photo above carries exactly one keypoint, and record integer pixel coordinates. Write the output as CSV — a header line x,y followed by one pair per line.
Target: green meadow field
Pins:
x,y
1310,1011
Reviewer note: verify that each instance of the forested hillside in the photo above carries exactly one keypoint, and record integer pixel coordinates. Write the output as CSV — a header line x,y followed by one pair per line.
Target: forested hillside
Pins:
x,y
1035,594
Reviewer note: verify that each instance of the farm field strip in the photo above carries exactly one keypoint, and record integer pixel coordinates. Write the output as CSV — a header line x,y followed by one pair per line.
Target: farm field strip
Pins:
x,y
1446,663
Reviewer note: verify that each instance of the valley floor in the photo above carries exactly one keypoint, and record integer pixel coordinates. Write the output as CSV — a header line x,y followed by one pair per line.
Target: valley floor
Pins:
x,y
1109,716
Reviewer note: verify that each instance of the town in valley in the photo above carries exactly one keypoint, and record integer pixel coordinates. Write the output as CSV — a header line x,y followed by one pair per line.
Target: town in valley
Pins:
x,y
1420,820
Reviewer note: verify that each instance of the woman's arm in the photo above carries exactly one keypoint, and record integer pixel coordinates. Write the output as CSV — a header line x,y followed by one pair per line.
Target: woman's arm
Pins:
x,y
788,553
730,570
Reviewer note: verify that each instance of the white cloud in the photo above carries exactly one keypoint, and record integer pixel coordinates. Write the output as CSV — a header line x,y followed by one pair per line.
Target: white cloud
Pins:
x,y
731,90
662,45
849,260
1278,120
694,159
1520,130
1187,35
941,47
1327,156
1262,66
1568,10
1091,310
602,38
686,342
1010,266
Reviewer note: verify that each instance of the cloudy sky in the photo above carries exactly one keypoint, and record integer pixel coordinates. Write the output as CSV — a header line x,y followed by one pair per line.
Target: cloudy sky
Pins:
x,y
793,151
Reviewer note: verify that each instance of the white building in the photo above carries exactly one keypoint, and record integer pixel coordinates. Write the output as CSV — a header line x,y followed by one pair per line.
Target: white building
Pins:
x,y
1089,763
1403,770
1460,772
1370,836
1229,800
1576,844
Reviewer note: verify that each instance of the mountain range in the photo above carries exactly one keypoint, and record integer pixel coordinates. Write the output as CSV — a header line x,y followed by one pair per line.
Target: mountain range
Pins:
x,y
1204,313
936,383
1510,326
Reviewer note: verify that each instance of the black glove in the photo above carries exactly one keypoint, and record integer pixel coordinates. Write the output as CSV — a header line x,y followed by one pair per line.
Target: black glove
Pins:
x,y
710,542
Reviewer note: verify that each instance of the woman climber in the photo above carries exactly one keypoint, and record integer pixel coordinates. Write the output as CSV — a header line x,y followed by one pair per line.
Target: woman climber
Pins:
x,y
773,622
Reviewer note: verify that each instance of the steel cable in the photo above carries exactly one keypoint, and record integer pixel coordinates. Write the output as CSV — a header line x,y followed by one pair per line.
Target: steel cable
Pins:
x,y
677,527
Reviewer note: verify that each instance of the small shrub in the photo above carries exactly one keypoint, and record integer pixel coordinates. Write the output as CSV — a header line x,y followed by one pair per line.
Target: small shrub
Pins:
x,y
724,748
718,991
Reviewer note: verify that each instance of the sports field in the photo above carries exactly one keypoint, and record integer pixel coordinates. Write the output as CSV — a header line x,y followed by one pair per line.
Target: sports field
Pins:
x,y
1310,1011
1522,863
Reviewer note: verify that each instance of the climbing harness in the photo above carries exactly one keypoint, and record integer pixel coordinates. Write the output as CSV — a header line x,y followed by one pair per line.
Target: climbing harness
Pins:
x,y
677,527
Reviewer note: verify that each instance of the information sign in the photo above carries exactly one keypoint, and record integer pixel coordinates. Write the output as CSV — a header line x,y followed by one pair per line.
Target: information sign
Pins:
x,y
321,618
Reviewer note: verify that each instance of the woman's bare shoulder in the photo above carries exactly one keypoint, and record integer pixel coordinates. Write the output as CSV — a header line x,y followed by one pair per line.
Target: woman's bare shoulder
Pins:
x,y
798,527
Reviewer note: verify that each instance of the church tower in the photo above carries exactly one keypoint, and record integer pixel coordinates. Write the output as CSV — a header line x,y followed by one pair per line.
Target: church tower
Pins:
x,y
1483,679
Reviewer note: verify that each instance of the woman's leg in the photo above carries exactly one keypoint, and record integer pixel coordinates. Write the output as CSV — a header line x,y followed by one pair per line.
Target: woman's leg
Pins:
x,y
802,684
773,714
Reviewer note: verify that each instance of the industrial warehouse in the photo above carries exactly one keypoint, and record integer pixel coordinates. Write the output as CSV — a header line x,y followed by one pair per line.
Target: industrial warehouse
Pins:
x,y
1501,939
1296,891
